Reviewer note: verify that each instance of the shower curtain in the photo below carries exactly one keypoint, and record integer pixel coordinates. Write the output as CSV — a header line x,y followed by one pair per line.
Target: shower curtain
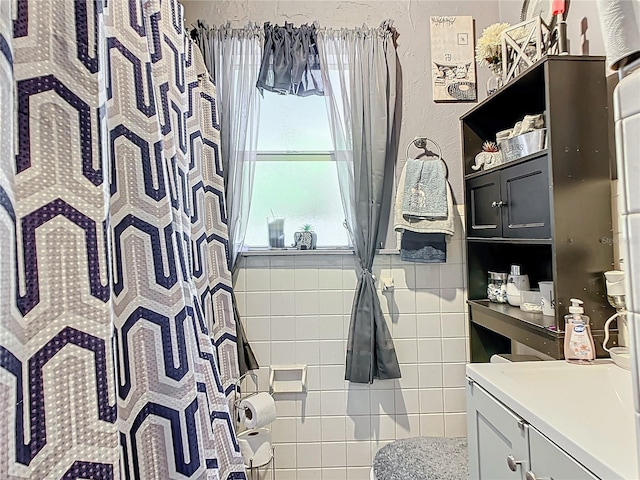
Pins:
x,y
117,336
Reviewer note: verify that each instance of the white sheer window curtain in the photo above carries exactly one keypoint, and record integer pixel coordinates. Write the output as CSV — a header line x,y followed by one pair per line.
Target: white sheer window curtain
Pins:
x,y
233,57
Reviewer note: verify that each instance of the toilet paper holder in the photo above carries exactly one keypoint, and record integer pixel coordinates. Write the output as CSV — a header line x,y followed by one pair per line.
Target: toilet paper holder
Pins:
x,y
238,397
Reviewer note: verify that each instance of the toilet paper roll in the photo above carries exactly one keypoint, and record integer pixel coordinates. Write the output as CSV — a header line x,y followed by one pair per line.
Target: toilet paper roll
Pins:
x,y
255,446
620,20
259,410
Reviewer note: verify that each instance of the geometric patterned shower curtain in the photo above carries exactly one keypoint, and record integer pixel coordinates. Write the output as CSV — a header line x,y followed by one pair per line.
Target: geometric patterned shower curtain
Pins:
x,y
117,338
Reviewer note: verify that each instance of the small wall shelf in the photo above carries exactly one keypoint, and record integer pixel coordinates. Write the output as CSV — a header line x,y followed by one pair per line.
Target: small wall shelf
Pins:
x,y
288,379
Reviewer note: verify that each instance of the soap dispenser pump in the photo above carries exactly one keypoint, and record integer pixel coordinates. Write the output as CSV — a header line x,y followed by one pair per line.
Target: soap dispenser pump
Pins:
x,y
578,341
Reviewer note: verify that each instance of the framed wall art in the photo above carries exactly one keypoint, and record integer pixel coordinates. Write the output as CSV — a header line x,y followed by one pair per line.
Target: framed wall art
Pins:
x,y
453,67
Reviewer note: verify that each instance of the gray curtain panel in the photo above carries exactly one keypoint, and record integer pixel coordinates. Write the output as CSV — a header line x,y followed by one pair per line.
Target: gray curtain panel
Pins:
x,y
359,75
224,49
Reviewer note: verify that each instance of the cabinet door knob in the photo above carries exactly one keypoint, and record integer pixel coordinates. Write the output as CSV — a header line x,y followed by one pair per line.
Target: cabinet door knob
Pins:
x,y
531,476
497,204
513,463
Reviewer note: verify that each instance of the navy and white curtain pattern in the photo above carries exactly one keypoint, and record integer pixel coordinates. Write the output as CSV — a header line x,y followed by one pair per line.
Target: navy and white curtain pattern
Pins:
x,y
117,335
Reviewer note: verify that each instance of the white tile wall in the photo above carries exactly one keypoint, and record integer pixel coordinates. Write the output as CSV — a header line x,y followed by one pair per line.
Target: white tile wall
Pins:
x,y
296,309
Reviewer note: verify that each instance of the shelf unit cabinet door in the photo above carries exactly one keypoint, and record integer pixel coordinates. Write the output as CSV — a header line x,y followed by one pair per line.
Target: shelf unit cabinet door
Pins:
x,y
483,196
525,193
548,461
495,434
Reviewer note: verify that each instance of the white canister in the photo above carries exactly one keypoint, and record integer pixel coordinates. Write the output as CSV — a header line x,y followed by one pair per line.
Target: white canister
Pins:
x,y
516,283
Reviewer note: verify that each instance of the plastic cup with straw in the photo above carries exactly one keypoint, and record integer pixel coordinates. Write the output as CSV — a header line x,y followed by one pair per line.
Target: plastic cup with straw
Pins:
x,y
275,226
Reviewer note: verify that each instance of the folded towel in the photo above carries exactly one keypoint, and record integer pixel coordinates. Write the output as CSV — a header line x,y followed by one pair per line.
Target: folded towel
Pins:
x,y
424,192
429,225
423,247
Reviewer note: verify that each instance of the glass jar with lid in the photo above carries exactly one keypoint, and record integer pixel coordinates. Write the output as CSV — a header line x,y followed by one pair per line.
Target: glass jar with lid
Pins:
x,y
497,287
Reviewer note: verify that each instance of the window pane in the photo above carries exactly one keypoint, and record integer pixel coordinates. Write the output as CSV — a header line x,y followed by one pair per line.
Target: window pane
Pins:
x,y
303,192
289,123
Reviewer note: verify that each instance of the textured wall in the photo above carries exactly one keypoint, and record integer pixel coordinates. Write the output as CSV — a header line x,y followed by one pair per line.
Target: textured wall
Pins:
x,y
420,115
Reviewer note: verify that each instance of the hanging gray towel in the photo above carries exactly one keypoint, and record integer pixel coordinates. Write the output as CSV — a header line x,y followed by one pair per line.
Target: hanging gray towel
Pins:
x,y
423,225
423,247
425,192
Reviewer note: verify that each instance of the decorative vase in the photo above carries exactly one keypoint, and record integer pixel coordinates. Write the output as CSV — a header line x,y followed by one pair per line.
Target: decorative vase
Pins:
x,y
495,80
305,240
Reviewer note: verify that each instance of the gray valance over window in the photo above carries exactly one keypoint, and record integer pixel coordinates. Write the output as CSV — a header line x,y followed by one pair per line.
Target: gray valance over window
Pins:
x,y
290,63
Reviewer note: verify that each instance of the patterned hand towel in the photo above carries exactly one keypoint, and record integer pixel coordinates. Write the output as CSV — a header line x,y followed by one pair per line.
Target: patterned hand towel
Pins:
x,y
423,225
425,194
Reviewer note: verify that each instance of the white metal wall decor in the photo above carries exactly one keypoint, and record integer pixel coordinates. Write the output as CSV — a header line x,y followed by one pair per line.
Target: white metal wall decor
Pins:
x,y
523,45
452,59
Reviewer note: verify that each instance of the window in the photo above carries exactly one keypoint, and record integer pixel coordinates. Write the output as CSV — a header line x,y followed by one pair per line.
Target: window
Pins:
x,y
295,175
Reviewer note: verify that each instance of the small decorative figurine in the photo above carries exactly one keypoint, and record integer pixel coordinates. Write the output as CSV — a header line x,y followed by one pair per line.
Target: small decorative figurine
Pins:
x,y
488,157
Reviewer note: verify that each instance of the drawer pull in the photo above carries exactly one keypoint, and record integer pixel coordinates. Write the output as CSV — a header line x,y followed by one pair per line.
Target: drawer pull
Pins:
x,y
497,204
513,463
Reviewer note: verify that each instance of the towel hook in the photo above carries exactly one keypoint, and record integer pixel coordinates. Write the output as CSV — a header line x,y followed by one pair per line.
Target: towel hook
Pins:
x,y
421,142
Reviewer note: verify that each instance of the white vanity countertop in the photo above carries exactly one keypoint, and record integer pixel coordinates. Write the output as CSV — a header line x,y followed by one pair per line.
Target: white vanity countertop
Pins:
x,y
587,410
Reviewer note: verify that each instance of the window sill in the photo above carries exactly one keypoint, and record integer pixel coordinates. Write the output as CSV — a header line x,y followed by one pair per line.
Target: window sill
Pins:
x,y
283,252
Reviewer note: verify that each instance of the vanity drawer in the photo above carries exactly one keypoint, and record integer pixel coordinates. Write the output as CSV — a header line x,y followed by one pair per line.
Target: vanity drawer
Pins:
x,y
549,461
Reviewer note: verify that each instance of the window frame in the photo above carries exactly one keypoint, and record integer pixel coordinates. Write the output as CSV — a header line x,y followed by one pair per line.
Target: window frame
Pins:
x,y
298,156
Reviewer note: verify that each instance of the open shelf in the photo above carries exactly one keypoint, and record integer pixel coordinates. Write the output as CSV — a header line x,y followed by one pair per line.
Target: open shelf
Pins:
x,y
536,322
500,321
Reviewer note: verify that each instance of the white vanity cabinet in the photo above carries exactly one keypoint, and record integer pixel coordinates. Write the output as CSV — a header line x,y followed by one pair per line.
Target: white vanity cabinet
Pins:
x,y
503,446
551,421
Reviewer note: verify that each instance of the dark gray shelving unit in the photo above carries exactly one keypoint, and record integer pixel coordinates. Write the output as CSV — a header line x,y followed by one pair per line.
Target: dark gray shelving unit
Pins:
x,y
549,212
